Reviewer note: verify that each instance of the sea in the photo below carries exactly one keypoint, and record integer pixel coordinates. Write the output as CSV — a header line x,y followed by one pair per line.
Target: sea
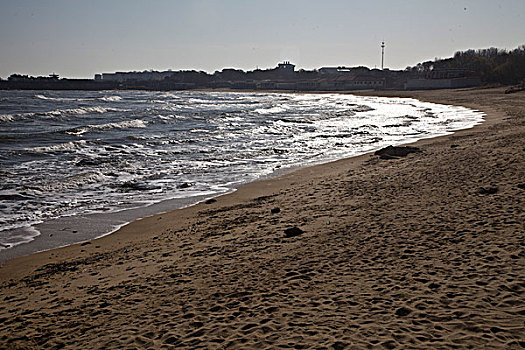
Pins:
x,y
75,165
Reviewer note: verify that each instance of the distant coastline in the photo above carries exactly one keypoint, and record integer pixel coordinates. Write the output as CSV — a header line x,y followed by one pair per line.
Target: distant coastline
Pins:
x,y
278,79
468,68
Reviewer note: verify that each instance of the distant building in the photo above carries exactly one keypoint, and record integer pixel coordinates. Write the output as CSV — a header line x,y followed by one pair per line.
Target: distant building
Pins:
x,y
342,70
307,85
334,70
353,82
285,85
18,77
137,76
286,67
266,85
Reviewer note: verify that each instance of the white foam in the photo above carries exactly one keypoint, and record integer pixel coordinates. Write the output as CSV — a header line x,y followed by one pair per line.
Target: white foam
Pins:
x,y
79,111
7,117
14,237
110,98
127,124
59,113
68,146
270,110
169,95
42,97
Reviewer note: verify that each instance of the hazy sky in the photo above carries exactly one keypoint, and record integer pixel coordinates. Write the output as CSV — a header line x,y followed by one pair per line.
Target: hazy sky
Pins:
x,y
78,38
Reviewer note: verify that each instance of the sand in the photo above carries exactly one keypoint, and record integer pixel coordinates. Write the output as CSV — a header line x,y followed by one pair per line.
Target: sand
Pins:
x,y
417,252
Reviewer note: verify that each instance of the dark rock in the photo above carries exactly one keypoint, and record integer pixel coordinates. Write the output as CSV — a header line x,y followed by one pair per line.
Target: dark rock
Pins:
x,y
397,151
85,243
521,186
488,190
387,157
276,210
293,232
403,311
210,201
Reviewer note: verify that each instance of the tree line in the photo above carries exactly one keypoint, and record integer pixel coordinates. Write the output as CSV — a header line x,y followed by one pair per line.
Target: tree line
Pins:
x,y
492,65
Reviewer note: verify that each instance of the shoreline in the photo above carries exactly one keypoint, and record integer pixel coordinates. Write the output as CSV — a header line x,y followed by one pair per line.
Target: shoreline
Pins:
x,y
378,237
74,229
270,177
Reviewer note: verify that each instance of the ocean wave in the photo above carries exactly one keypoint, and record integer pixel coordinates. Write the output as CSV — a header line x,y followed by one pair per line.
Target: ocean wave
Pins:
x,y
69,99
58,113
73,182
169,95
61,147
127,124
271,110
110,98
42,97
90,177
80,111
7,117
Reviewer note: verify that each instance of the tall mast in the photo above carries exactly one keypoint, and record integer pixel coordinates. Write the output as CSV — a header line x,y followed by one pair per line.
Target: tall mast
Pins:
x,y
382,54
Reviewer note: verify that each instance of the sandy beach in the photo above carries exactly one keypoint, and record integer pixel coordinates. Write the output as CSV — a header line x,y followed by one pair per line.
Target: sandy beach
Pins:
x,y
424,251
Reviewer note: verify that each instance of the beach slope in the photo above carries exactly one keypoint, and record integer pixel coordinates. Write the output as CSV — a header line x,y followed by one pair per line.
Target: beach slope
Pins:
x,y
417,251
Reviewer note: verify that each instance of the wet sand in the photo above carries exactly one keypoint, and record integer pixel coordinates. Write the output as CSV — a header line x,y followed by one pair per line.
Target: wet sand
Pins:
x,y
423,251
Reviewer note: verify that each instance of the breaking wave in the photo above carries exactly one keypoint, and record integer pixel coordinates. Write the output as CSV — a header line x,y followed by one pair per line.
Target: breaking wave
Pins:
x,y
42,97
270,110
58,113
137,123
61,147
110,98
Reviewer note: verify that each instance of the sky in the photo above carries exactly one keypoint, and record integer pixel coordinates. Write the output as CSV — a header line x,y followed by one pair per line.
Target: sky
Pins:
x,y
78,38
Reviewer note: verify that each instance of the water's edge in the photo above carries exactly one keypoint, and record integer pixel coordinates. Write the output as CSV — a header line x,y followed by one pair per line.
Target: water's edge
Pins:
x,y
69,230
